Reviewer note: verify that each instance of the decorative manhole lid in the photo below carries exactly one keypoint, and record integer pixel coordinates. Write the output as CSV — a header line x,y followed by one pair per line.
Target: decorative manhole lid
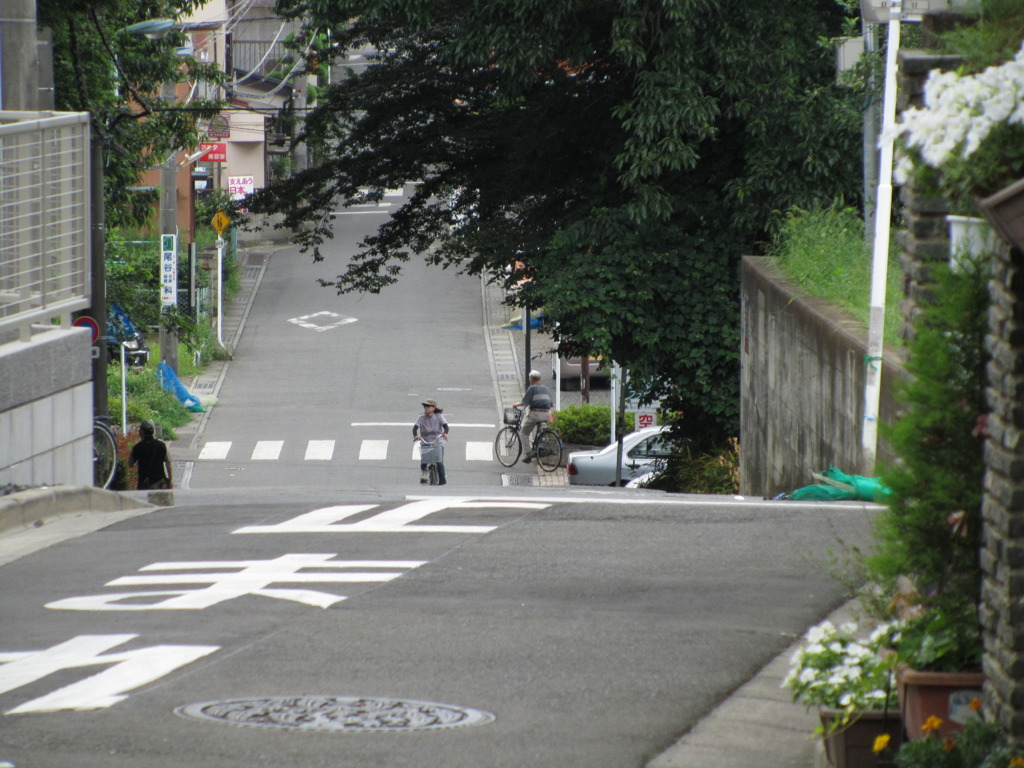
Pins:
x,y
336,713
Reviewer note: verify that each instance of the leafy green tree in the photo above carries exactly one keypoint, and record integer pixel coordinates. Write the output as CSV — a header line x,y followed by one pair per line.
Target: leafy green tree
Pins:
x,y
117,76
626,153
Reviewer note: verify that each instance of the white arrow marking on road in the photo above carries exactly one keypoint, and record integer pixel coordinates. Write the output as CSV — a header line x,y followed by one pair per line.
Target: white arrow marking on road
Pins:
x,y
215,451
267,450
131,669
319,450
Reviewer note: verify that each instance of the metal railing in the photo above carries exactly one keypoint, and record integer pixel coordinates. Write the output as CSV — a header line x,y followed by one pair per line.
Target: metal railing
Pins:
x,y
44,216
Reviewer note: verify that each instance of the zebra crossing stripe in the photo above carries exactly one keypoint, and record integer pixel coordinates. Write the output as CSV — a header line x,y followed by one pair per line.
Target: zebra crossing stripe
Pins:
x,y
479,451
267,450
214,451
373,450
323,450
319,450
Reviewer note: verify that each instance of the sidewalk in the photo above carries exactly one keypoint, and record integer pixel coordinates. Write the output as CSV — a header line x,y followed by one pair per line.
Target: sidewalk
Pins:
x,y
757,725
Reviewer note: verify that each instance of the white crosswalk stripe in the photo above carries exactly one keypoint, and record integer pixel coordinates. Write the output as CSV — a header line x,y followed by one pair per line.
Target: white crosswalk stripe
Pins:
x,y
324,450
319,450
478,451
267,450
214,451
373,450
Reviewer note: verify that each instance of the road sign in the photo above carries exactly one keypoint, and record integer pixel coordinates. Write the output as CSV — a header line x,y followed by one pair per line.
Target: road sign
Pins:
x,y
220,222
87,322
168,271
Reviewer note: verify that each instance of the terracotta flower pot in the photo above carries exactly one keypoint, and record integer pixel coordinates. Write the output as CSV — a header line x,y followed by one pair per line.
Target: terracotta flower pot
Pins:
x,y
852,745
1005,210
945,695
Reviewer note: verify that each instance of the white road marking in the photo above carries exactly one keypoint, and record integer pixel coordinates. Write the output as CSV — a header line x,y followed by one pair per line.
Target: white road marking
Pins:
x,y
130,670
373,450
397,520
322,321
214,451
267,450
477,451
319,450
408,424
249,577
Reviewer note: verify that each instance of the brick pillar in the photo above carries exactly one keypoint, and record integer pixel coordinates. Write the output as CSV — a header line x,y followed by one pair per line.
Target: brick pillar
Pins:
x,y
1002,610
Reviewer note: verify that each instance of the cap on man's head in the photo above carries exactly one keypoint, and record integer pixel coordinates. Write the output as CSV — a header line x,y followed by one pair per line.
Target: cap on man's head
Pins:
x,y
430,402
147,426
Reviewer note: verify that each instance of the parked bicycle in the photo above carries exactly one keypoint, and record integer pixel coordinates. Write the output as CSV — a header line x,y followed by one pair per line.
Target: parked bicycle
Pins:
x,y
508,445
104,453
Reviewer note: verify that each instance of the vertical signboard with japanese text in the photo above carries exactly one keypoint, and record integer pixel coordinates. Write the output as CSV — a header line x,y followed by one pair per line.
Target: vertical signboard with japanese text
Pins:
x,y
168,271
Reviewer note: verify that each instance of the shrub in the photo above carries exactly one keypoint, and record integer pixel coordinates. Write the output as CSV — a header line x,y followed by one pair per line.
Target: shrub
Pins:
x,y
587,424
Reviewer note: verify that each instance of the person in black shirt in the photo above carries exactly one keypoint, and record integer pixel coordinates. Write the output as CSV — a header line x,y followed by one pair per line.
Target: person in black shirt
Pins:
x,y
154,461
538,399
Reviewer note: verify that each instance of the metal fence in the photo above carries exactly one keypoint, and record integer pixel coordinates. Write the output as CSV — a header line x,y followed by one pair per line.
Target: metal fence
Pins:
x,y
44,216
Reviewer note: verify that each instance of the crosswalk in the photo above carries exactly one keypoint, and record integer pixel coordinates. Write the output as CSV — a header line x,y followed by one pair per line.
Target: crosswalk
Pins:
x,y
328,450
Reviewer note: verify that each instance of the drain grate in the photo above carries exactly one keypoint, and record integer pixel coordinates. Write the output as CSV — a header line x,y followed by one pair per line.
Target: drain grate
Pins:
x,y
251,273
336,713
520,480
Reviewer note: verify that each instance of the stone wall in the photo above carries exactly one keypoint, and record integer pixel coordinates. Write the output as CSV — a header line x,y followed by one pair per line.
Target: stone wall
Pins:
x,y
1003,506
801,385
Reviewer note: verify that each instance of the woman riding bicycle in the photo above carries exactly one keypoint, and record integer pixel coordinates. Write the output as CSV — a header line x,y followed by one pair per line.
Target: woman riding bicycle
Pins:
x,y
432,428
538,399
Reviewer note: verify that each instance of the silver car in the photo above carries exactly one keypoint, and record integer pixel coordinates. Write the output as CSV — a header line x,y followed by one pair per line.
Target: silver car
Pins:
x,y
640,450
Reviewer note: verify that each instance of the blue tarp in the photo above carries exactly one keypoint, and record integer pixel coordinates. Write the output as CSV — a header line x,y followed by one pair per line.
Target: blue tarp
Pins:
x,y
170,381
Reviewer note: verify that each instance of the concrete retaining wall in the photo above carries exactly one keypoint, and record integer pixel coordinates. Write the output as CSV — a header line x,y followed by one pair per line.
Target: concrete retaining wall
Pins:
x,y
801,385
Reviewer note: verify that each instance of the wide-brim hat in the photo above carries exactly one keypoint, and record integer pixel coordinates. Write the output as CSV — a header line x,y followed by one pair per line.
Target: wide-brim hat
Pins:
x,y
430,402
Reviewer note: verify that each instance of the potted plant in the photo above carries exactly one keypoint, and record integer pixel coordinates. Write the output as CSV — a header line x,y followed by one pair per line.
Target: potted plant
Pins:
x,y
850,678
928,538
967,144
979,745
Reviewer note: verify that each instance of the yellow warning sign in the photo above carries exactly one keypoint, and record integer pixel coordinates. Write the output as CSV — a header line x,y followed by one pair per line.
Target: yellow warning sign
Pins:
x,y
220,222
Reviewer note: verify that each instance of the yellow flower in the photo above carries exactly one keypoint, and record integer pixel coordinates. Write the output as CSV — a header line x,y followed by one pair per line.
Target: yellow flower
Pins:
x,y
975,704
881,742
933,723
1017,762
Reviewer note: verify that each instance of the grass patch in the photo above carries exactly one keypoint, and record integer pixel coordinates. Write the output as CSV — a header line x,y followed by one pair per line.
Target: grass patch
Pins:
x,y
824,253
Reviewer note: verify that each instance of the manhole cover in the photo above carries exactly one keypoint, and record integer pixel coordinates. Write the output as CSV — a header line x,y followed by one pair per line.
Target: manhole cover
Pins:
x,y
336,713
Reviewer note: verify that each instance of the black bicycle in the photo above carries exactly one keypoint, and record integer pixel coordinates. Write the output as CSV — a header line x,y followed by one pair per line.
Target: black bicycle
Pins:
x,y
104,454
508,445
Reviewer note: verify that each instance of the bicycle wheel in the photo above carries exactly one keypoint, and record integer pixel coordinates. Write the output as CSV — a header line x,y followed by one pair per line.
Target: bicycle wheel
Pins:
x,y
432,473
549,450
104,455
508,446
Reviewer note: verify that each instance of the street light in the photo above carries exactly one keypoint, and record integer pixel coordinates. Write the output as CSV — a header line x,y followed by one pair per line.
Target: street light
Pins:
x,y
152,29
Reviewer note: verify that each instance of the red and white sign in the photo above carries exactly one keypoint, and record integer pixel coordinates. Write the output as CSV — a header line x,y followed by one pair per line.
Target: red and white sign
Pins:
x,y
213,152
240,186
646,419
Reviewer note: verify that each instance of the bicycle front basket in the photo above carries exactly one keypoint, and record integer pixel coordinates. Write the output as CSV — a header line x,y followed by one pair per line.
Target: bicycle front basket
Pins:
x,y
511,416
431,453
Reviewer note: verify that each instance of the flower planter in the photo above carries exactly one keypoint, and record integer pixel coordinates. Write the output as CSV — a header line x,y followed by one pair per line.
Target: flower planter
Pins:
x,y
946,695
1005,211
851,746
970,236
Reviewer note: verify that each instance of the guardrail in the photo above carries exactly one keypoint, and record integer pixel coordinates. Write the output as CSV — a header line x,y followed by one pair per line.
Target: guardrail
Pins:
x,y
44,217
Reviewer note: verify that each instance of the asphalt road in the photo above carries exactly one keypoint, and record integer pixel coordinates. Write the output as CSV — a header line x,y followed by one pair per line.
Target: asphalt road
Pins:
x,y
324,389
594,628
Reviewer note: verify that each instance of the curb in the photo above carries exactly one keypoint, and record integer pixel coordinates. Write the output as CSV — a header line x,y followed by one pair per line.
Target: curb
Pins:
x,y
28,509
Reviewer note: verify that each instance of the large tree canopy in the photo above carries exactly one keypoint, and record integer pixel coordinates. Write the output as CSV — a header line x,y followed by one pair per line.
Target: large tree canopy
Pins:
x,y
117,77
626,153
